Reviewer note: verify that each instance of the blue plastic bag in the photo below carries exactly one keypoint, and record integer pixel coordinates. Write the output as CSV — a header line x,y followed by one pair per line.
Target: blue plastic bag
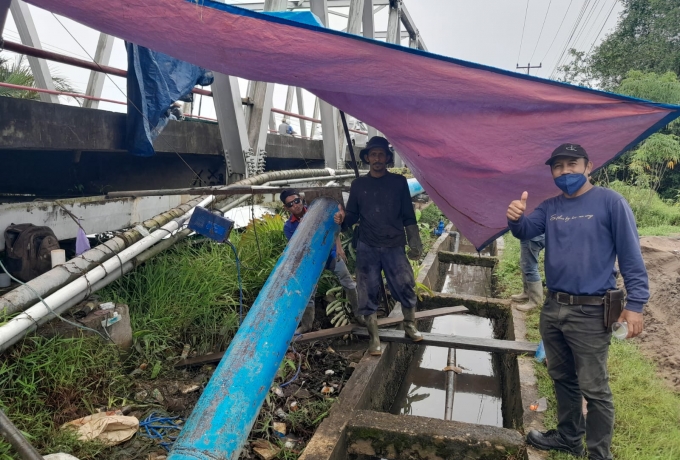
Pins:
x,y
540,352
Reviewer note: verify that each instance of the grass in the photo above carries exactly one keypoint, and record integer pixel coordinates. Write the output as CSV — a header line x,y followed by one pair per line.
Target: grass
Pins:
x,y
647,423
662,230
649,209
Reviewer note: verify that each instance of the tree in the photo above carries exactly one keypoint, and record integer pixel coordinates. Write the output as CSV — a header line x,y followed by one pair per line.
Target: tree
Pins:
x,y
652,164
647,38
17,72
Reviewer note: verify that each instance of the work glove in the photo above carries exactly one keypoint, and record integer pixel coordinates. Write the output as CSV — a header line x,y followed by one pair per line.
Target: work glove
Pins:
x,y
414,243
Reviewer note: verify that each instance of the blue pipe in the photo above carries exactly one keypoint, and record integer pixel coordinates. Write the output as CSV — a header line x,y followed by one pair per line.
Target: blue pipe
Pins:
x,y
224,415
414,187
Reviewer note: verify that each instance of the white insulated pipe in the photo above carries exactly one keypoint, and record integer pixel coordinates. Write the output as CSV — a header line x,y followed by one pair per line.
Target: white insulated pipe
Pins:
x,y
17,327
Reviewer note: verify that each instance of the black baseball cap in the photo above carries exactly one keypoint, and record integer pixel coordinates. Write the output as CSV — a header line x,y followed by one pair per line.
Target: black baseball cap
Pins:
x,y
568,150
376,141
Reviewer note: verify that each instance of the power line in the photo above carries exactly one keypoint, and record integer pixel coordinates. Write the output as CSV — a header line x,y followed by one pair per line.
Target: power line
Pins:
x,y
541,32
558,30
584,7
602,28
587,21
523,26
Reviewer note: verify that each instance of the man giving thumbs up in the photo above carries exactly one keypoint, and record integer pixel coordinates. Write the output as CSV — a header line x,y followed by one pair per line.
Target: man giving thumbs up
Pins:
x,y
587,229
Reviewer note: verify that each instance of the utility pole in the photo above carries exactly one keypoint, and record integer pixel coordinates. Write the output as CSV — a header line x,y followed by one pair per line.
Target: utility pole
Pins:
x,y
529,67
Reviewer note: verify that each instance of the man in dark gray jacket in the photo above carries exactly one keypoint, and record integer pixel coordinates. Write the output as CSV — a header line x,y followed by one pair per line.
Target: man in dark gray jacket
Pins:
x,y
380,201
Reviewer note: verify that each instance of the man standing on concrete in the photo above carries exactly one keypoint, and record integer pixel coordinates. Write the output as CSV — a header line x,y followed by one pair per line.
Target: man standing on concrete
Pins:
x,y
336,262
380,201
586,229
532,296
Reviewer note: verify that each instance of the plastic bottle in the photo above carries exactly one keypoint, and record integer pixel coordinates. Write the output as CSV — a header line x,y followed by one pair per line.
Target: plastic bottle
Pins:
x,y
440,228
620,330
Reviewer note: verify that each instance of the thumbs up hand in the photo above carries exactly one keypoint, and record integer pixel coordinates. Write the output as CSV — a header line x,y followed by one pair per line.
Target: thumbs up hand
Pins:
x,y
517,208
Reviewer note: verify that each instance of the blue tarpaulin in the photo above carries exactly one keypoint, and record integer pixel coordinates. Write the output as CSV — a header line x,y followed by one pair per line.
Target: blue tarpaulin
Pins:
x,y
155,80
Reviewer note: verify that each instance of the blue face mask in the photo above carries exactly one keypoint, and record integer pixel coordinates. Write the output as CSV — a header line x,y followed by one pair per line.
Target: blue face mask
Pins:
x,y
570,183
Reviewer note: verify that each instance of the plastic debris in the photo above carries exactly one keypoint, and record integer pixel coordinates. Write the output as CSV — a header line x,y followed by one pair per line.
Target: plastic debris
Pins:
x,y
279,429
110,427
277,391
540,352
189,388
281,414
294,406
329,372
541,405
59,456
107,305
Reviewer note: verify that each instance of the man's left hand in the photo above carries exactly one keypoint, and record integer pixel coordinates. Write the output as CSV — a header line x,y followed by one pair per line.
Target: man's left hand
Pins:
x,y
635,322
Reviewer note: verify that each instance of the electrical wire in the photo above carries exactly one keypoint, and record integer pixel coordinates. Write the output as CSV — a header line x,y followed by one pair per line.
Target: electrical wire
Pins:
x,y
526,11
584,8
126,97
240,283
558,30
602,28
541,32
78,326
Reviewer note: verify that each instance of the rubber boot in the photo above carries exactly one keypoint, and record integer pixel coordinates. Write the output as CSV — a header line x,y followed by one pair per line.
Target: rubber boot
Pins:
x,y
374,340
354,303
524,296
410,324
307,319
535,291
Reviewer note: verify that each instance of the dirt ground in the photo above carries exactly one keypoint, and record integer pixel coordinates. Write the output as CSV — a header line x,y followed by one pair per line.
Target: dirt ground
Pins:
x,y
660,340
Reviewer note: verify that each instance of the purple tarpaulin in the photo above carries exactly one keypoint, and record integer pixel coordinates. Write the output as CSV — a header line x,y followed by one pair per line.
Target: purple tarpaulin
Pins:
x,y
474,136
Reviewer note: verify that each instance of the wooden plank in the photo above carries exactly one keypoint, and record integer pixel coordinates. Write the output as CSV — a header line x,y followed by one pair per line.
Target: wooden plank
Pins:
x,y
457,341
329,333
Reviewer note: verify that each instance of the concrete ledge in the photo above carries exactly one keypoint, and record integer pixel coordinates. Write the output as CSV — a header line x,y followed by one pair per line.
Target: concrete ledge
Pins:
x,y
395,437
467,259
488,307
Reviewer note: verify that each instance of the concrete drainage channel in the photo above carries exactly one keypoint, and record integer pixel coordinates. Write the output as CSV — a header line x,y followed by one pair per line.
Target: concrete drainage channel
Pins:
x,y
393,406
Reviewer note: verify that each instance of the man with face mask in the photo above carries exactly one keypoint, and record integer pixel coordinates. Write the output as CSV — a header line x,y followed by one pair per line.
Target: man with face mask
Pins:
x,y
586,229
381,202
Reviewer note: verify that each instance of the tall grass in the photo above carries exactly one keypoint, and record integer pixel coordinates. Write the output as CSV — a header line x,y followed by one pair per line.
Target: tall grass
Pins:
x,y
648,208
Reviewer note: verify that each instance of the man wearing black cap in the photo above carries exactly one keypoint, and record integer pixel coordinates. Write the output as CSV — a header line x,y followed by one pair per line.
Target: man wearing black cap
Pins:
x,y
381,202
587,229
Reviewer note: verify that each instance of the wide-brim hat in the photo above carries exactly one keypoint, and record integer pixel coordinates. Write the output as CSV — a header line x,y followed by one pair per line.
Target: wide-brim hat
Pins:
x,y
376,141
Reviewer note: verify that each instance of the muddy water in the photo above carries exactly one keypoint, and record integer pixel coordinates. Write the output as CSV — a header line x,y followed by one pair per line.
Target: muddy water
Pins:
x,y
477,397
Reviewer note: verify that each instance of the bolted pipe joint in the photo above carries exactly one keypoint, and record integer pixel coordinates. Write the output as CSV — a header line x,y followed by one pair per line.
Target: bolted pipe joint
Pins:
x,y
224,415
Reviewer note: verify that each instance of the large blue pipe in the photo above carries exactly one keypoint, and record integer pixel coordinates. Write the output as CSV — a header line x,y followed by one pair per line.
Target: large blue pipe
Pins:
x,y
224,415
414,187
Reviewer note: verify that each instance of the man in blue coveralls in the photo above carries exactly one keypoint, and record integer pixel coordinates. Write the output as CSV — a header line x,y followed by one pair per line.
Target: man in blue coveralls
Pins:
x,y
586,229
293,202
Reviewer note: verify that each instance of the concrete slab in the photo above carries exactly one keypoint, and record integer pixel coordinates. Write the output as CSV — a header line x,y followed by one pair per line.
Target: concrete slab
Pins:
x,y
396,437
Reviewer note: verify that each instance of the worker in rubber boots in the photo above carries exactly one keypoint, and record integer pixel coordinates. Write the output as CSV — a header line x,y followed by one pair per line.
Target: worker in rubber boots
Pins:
x,y
587,228
381,202
532,295
337,260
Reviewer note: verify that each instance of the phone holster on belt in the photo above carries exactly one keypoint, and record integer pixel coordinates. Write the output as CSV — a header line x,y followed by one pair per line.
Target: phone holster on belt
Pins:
x,y
613,306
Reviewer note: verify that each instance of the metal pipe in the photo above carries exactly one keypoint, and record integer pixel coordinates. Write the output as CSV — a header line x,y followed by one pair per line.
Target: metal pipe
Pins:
x,y
451,361
219,190
311,179
224,415
13,436
23,296
58,93
13,330
349,143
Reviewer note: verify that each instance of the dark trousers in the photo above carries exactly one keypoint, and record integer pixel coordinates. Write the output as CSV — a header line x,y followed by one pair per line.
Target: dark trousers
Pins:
x,y
398,271
576,347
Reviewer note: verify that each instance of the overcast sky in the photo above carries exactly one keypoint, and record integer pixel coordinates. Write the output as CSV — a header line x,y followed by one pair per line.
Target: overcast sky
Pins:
x,y
498,33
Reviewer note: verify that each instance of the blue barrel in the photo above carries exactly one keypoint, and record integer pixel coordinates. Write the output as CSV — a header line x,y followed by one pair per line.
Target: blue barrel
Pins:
x,y
224,415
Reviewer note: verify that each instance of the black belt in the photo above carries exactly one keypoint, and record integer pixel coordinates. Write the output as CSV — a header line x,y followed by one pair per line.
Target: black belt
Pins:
x,y
568,299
